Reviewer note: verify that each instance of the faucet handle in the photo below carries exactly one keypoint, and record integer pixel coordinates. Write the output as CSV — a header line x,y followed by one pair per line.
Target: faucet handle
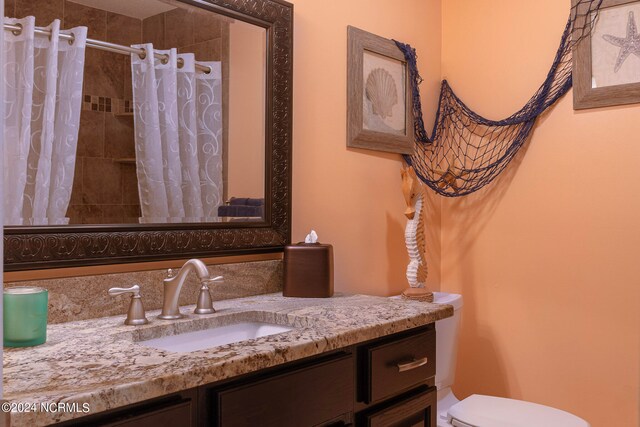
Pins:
x,y
135,290
204,305
136,314
217,279
170,273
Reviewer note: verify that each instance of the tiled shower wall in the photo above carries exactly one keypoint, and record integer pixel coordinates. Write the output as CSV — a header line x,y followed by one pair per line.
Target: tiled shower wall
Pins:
x,y
105,185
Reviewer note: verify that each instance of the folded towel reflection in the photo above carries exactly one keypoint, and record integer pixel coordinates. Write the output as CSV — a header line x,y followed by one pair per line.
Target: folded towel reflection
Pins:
x,y
245,201
242,207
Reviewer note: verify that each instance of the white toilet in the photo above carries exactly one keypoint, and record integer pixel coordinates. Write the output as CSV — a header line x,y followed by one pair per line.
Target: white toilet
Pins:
x,y
478,410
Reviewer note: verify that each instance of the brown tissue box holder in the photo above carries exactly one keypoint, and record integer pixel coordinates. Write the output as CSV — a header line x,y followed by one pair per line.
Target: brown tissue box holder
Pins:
x,y
308,270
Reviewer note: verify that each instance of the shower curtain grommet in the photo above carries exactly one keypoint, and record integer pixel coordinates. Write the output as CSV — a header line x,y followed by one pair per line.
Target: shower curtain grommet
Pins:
x,y
19,31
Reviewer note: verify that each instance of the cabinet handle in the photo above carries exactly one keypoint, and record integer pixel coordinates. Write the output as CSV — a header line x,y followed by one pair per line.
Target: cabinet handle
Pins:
x,y
403,367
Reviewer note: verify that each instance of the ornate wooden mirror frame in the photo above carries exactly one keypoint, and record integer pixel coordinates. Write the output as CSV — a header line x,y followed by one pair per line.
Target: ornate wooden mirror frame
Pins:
x,y
27,248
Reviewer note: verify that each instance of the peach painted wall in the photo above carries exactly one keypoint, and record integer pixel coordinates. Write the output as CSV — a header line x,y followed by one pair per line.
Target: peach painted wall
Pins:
x,y
352,198
247,62
546,258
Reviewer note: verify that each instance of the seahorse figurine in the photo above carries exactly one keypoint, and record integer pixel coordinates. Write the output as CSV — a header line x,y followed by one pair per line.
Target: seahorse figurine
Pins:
x,y
414,236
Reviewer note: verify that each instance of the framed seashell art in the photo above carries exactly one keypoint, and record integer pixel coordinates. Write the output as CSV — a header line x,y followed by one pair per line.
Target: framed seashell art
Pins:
x,y
606,54
379,115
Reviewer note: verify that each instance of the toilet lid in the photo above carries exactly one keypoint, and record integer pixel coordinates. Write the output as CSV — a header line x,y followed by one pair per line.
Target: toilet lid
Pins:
x,y
489,411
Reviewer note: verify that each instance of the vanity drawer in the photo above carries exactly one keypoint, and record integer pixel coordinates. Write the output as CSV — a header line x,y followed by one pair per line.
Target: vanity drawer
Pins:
x,y
320,393
180,414
416,408
178,409
394,366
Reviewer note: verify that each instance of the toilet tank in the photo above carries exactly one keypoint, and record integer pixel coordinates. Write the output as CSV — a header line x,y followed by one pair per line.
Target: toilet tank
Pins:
x,y
447,334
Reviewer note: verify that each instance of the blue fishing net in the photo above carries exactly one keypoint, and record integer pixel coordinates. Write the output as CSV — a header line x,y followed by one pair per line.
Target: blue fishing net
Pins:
x,y
467,151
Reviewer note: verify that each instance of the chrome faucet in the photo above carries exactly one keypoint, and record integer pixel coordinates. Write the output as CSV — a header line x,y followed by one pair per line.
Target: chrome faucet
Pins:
x,y
173,286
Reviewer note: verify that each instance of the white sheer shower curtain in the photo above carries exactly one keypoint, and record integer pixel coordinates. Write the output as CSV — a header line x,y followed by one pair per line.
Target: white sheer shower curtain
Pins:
x,y
42,101
178,137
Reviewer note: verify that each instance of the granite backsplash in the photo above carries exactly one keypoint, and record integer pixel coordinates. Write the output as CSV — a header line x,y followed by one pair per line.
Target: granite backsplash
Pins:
x,y
85,297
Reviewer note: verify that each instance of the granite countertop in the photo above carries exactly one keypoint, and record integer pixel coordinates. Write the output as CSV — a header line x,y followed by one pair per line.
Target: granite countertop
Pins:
x,y
98,365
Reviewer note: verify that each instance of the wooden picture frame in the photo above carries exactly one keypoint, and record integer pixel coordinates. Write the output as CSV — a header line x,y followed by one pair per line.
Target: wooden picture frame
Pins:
x,y
592,89
379,107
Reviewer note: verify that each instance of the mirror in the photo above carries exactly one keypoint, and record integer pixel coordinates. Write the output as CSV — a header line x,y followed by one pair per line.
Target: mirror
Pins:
x,y
183,124
168,145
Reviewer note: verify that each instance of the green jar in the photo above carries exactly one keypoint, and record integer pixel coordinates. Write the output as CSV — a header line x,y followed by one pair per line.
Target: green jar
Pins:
x,y
25,316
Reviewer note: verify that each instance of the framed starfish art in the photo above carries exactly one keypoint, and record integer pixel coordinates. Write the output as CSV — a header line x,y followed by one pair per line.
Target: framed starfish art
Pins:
x,y
606,58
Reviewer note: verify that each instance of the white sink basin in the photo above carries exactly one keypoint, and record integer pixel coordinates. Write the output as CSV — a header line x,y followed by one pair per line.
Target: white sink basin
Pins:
x,y
216,336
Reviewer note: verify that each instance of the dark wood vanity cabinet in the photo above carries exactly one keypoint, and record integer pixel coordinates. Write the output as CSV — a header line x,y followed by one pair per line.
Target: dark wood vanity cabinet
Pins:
x,y
384,382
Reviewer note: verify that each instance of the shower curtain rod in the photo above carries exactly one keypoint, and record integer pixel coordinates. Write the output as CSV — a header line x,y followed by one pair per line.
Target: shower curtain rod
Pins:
x,y
109,47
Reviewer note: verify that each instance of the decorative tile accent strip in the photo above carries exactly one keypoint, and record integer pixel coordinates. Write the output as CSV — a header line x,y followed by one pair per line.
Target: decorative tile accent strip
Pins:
x,y
109,105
